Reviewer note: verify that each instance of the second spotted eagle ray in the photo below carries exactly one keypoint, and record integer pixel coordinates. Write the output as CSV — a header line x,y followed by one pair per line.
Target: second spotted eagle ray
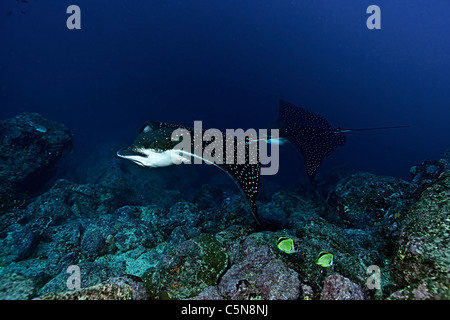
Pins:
x,y
310,133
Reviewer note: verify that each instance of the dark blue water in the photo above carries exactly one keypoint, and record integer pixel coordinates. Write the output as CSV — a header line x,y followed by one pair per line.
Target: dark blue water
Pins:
x,y
227,63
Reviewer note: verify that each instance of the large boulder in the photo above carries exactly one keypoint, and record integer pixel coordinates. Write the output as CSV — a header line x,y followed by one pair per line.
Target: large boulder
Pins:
x,y
29,149
187,269
126,287
337,287
16,243
422,257
364,200
261,275
429,170
15,286
91,274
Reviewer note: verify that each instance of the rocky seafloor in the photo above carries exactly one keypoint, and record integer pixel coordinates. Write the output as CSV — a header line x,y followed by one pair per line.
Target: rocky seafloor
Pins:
x,y
133,236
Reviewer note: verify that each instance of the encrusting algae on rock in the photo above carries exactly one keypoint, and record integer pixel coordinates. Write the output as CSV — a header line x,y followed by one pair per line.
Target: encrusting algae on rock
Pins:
x,y
422,257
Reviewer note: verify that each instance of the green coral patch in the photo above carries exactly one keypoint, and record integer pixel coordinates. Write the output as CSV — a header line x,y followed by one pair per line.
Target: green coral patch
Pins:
x,y
192,266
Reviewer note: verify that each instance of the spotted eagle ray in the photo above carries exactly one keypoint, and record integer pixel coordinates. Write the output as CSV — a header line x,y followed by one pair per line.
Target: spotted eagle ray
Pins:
x,y
309,132
154,147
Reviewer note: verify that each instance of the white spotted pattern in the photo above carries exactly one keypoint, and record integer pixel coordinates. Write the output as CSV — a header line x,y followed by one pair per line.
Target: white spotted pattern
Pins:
x,y
310,133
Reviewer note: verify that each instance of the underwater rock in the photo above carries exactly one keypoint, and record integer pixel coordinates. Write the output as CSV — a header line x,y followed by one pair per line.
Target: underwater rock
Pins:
x,y
422,250
91,274
14,286
180,223
210,293
231,240
52,207
17,242
427,289
429,171
29,149
60,247
337,287
154,216
131,232
307,292
120,231
118,288
364,200
134,262
98,238
234,210
447,160
33,269
292,209
68,200
181,234
187,269
354,250
261,275
181,214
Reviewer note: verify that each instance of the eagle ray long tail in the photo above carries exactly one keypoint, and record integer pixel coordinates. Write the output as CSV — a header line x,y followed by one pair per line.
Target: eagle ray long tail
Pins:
x,y
337,130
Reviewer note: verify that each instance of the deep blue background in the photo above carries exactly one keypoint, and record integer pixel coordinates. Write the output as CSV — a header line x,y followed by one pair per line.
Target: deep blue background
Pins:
x,y
228,62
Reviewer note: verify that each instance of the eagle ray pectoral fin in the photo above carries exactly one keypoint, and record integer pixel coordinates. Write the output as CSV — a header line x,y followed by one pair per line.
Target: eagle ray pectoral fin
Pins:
x,y
246,176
